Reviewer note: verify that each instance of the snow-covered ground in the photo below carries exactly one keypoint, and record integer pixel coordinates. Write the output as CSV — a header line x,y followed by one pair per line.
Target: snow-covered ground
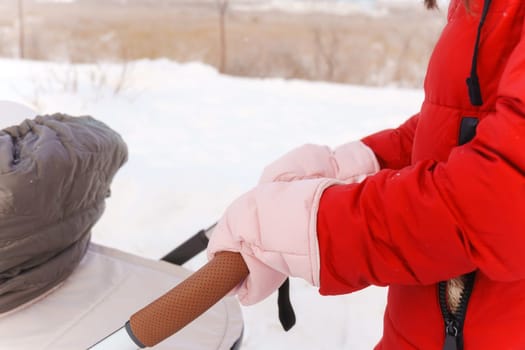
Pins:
x,y
197,140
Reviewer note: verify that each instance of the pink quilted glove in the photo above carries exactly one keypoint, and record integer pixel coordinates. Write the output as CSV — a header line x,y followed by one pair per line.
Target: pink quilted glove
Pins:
x,y
351,162
273,226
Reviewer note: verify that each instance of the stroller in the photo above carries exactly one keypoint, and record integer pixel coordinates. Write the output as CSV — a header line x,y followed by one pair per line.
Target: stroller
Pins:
x,y
96,289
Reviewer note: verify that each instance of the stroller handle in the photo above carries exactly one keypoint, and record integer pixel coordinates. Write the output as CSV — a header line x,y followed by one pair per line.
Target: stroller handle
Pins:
x,y
188,300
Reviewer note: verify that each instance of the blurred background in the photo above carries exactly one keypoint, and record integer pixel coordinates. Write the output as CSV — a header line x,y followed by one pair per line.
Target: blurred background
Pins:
x,y
355,41
205,94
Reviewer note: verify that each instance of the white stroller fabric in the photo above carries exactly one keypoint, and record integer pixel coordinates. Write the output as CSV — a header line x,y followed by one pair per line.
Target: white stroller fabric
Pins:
x,y
106,288
12,113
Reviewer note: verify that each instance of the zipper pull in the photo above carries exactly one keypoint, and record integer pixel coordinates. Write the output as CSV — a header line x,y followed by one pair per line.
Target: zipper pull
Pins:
x,y
451,338
450,343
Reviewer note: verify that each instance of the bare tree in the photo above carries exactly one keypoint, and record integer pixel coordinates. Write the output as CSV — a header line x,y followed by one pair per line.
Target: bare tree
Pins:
x,y
21,29
326,48
222,7
401,74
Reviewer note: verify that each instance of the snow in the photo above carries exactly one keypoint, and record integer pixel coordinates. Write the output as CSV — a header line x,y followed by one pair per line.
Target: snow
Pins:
x,y
197,140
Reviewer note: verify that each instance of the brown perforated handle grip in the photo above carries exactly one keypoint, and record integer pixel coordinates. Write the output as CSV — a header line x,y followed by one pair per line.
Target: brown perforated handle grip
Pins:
x,y
188,300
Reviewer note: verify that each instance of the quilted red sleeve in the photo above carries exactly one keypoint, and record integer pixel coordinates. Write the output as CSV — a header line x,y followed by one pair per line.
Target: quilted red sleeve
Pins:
x,y
393,147
435,220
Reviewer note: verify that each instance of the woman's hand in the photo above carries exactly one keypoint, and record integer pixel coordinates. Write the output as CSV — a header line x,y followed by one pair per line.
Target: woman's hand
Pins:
x,y
351,162
273,226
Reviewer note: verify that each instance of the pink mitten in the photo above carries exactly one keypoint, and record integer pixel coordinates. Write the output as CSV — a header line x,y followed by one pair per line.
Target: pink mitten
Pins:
x,y
351,162
274,228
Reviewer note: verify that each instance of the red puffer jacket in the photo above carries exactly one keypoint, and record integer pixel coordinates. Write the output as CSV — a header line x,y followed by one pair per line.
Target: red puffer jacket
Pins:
x,y
438,210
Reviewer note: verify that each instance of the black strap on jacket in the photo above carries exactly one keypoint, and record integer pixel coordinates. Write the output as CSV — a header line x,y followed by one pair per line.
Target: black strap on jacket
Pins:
x,y
474,89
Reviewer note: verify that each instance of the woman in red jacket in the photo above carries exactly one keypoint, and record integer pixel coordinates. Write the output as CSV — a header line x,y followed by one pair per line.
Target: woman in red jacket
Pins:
x,y
440,216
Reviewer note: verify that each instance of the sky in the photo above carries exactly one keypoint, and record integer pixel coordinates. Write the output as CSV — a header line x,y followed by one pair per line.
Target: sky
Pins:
x,y
197,140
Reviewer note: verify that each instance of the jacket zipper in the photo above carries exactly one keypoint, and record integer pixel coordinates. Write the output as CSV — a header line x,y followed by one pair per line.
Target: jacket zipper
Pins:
x,y
454,321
